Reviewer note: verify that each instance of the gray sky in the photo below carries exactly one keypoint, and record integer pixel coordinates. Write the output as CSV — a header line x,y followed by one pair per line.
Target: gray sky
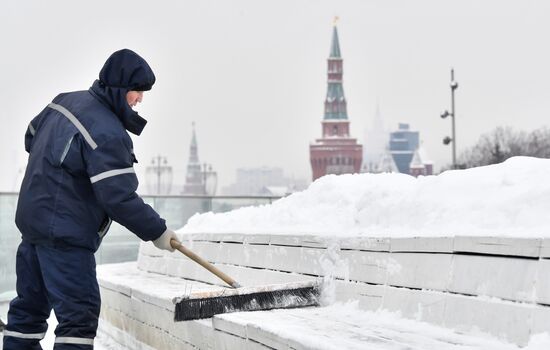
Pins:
x,y
252,73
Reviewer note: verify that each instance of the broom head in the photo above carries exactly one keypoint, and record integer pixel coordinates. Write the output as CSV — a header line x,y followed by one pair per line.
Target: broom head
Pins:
x,y
278,296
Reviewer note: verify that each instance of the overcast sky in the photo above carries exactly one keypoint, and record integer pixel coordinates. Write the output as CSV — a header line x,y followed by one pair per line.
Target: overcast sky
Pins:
x,y
252,73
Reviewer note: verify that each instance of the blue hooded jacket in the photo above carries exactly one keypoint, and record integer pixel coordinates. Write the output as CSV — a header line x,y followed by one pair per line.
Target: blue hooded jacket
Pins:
x,y
80,173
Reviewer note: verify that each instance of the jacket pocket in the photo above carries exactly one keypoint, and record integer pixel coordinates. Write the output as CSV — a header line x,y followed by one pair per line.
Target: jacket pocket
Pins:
x,y
105,225
66,150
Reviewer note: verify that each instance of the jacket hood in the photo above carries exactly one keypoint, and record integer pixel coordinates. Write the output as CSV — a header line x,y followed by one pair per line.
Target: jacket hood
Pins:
x,y
124,71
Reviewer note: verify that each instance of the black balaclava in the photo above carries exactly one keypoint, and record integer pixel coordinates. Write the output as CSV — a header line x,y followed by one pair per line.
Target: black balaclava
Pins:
x,y
124,71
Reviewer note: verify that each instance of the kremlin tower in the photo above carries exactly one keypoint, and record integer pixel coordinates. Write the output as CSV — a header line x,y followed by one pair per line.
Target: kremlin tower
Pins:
x,y
336,152
194,184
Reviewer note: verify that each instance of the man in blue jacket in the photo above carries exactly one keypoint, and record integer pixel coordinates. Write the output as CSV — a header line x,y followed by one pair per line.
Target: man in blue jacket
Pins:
x,y
79,178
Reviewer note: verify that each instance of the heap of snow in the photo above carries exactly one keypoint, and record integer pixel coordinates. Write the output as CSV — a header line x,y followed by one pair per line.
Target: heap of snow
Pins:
x,y
507,199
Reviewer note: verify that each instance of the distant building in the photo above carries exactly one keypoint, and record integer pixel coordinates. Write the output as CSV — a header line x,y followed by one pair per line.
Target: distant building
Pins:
x,y
266,181
385,164
336,152
403,144
420,165
375,144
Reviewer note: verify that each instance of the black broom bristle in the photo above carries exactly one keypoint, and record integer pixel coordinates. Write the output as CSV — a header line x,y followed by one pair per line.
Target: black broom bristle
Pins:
x,y
197,308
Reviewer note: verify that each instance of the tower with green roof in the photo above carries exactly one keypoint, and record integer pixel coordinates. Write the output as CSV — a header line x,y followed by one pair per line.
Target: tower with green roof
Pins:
x,y
194,184
335,152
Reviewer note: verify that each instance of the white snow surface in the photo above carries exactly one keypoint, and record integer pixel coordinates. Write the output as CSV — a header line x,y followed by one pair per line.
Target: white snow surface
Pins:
x,y
381,330
508,199
344,326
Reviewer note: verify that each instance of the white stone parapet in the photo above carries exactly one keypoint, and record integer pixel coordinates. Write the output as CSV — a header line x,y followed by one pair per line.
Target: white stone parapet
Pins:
x,y
499,286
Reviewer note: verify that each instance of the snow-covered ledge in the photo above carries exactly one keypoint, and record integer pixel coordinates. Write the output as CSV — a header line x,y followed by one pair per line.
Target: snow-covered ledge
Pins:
x,y
466,250
451,282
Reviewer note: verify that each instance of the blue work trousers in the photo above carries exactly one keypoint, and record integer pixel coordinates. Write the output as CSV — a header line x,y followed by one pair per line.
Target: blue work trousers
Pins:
x,y
62,278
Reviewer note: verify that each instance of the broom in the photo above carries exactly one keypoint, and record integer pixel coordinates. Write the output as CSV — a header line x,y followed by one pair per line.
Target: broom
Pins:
x,y
209,303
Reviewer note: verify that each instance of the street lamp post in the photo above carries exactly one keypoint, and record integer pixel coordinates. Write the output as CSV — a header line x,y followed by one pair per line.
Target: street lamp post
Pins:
x,y
209,179
159,173
445,114
209,182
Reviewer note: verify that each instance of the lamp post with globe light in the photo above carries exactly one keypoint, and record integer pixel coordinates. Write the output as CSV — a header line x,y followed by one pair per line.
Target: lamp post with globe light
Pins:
x,y
210,179
159,176
447,140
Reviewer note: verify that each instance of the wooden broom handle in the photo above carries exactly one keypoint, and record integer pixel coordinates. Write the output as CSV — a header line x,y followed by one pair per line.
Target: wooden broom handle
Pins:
x,y
177,245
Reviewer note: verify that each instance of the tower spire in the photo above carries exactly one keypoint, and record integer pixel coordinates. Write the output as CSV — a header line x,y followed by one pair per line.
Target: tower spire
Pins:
x,y
335,46
335,102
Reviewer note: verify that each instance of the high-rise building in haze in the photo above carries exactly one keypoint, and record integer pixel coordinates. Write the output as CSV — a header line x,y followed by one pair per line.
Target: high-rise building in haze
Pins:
x,y
407,152
336,152
403,144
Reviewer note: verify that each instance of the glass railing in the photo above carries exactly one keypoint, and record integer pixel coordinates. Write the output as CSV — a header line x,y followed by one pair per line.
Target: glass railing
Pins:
x,y
119,245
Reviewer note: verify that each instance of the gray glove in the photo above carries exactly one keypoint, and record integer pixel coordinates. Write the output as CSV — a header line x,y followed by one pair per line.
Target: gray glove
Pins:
x,y
163,242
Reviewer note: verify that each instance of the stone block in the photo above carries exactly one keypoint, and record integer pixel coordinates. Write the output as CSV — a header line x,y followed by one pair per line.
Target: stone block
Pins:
x,y
256,277
529,247
294,259
419,270
421,305
369,296
227,326
543,282
152,264
216,237
257,334
368,266
143,314
310,241
318,241
226,341
142,332
376,244
243,254
230,237
209,251
422,244
148,248
545,248
314,261
541,320
115,300
106,330
257,239
508,321
501,277
286,240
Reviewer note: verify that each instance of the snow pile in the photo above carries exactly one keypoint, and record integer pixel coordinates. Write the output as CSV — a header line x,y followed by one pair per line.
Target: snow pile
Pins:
x,y
539,341
508,199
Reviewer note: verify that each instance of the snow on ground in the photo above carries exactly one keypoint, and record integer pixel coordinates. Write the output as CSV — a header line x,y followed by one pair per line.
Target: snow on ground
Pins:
x,y
344,326
382,330
507,199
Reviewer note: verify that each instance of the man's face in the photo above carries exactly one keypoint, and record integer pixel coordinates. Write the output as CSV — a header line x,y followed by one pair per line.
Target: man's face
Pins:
x,y
134,97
